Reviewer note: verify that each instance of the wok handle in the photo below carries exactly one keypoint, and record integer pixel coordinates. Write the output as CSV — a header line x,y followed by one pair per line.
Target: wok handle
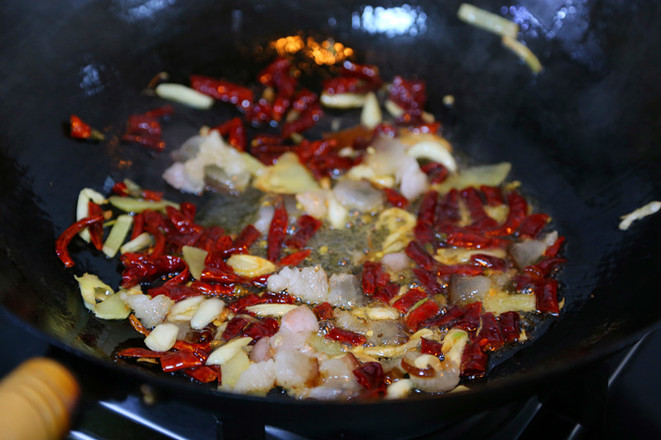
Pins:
x,y
37,400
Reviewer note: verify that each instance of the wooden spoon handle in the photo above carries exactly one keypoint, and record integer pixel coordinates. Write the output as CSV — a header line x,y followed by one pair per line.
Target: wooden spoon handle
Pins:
x,y
36,401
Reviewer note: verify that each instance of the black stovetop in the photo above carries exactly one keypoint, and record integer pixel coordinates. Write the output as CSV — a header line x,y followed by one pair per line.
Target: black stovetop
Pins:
x,y
618,397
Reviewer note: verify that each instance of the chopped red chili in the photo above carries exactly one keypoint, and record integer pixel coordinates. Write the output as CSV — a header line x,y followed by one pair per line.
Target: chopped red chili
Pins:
x,y
180,360
509,326
346,336
533,224
306,119
245,301
175,292
473,362
225,91
370,376
546,295
553,250
423,312
427,346
140,353
306,226
394,198
204,373
65,238
213,289
489,261
436,172
295,259
493,195
277,232
429,281
409,299
137,325
489,337
80,130
245,239
96,229
323,311
235,133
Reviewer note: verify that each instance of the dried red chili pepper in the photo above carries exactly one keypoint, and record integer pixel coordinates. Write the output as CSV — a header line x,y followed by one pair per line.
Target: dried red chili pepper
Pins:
x,y
553,250
120,189
306,226
346,336
180,360
245,301
489,337
137,325
175,292
409,299
427,346
493,195
417,253
509,326
489,261
545,267
144,130
323,311
95,230
331,165
216,275
260,112
464,317
80,130
387,292
373,278
235,327
295,259
258,330
303,99
277,298
246,238
138,352
370,376
517,213
69,233
213,289
424,228
429,281
209,237
410,96
473,362
474,241
346,84
436,172
448,208
235,133
306,119
423,312
306,150
225,91
277,232
532,225
140,268
182,222
182,278
367,72
204,373
546,295
394,198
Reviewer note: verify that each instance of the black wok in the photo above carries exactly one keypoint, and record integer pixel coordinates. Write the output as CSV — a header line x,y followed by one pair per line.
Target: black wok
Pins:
x,y
583,137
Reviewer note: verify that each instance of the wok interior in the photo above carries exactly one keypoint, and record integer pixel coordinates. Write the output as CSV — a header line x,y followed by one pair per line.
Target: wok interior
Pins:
x,y
582,138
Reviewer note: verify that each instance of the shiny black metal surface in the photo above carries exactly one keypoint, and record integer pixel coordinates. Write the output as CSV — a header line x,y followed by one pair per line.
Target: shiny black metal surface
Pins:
x,y
583,137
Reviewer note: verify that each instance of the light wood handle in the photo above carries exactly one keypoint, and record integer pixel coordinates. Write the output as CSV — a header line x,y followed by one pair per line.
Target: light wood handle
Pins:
x,y
36,401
